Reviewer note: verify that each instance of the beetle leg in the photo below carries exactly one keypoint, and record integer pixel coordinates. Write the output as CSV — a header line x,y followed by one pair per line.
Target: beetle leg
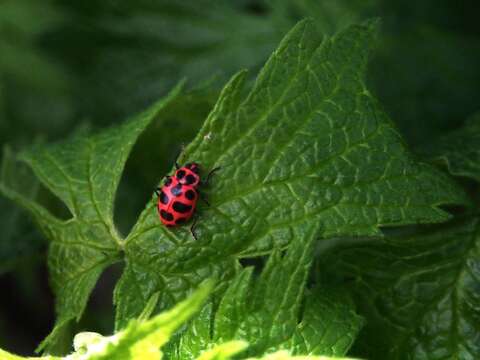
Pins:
x,y
192,228
203,197
210,174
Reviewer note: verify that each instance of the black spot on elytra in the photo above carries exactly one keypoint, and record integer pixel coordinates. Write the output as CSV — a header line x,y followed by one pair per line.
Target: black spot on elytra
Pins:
x,y
168,181
177,190
180,174
190,179
166,215
180,221
181,208
190,195
163,198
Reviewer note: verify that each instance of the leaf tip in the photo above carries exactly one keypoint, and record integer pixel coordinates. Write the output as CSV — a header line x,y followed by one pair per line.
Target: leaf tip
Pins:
x,y
179,86
237,81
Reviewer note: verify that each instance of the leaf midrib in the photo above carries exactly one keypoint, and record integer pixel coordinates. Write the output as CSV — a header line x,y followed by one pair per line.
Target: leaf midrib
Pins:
x,y
108,225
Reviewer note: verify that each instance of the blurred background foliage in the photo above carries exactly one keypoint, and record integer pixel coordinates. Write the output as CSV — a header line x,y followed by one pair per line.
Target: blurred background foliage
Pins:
x,y
68,64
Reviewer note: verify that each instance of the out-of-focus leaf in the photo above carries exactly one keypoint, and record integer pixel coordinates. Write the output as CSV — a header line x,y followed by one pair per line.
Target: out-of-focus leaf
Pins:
x,y
21,58
34,89
416,86
151,45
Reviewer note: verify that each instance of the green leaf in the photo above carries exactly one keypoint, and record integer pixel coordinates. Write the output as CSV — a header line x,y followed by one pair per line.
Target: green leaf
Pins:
x,y
142,340
329,324
142,279
84,173
418,291
194,338
224,351
438,49
267,312
459,150
308,144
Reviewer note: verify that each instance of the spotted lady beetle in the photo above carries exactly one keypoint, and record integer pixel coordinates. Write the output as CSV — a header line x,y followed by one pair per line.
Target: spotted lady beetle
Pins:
x,y
177,198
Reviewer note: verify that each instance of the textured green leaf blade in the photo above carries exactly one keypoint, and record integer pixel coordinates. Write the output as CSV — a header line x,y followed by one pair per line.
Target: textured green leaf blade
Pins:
x,y
309,141
307,144
419,292
141,280
266,311
329,324
263,312
84,173
459,150
195,338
